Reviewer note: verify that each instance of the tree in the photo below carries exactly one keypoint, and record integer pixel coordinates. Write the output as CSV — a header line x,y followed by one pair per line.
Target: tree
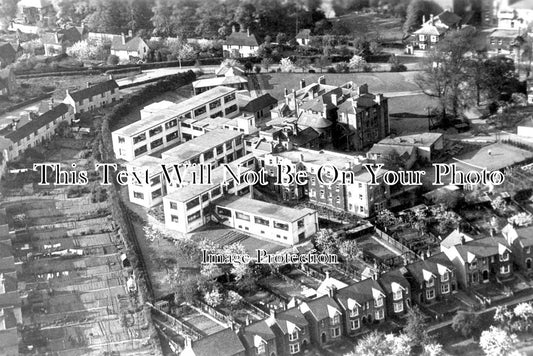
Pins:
x,y
286,65
211,270
322,62
357,63
416,328
326,241
248,66
266,63
8,11
213,298
386,218
281,38
432,349
108,17
445,70
447,199
466,323
378,344
303,63
349,250
113,60
234,299
496,342
375,47
416,10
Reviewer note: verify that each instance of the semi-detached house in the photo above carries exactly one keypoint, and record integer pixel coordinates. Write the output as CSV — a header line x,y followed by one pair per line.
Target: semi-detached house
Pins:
x,y
93,96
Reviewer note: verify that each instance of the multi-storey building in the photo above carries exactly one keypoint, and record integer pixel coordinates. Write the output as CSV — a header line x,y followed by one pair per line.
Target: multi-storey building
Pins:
x,y
191,206
397,291
432,31
240,44
93,96
222,343
356,194
479,261
269,221
363,303
347,115
521,241
259,339
191,128
19,137
154,133
213,149
292,331
324,316
423,147
238,82
432,279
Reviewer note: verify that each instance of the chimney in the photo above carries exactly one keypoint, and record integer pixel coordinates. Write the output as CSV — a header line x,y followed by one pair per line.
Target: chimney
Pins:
x,y
423,18
334,99
332,290
285,92
130,33
2,284
325,111
375,275
327,274
56,35
248,32
188,342
67,92
273,313
295,103
431,18
248,321
123,38
302,160
110,77
233,28
302,83
321,80
88,84
51,104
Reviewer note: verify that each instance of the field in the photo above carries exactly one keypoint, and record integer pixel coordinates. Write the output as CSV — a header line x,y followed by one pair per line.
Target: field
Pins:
x,y
372,25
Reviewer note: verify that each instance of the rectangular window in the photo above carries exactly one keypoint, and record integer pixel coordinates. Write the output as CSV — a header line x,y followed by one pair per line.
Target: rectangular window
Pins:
x,y
173,206
430,294
300,224
281,226
191,204
431,282
223,211
293,336
261,221
354,312
205,197
230,109
397,295
354,324
171,124
238,141
229,145
215,192
220,150
121,140
156,143
229,98
294,348
200,111
156,180
242,216
156,193
504,257
505,269
378,302
335,332
174,219
528,250
214,104
155,131
139,138
445,288
398,307
193,217
185,125
140,150
138,195
380,314
172,136
445,277
208,155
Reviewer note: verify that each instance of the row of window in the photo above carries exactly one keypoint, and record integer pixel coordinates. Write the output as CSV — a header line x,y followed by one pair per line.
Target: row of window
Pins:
x,y
156,143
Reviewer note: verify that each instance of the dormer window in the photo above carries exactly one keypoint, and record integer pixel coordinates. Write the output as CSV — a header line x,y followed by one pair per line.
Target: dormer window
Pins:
x,y
354,312
504,257
430,282
397,295
445,277
261,349
335,320
378,302
293,336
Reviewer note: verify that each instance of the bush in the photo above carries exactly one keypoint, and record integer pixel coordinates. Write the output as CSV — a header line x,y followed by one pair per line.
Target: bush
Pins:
x,y
312,71
398,68
257,69
331,70
113,60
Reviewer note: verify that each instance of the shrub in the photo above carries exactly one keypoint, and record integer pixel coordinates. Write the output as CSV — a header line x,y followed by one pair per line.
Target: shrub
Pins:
x,y
113,60
331,70
398,68
312,71
257,69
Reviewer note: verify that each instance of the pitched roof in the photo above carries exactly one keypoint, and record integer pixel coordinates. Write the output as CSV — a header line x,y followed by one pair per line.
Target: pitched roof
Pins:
x,y
305,136
225,80
223,343
260,329
93,90
321,307
360,292
253,105
485,247
132,44
449,18
304,33
69,35
294,316
241,39
387,279
38,122
328,283
315,121
455,238
416,269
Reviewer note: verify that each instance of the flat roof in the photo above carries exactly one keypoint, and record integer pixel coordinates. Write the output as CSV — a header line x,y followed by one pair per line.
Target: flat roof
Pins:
x,y
200,144
501,156
209,82
320,158
263,209
174,110
425,138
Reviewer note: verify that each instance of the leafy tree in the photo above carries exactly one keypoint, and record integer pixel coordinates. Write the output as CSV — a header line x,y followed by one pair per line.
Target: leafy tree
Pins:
x,y
386,218
357,63
416,10
416,328
448,200
109,17
140,13
286,65
496,342
326,241
281,38
375,47
248,66
8,11
432,349
213,298
466,323
234,299
350,250
210,270
267,63
378,344
113,60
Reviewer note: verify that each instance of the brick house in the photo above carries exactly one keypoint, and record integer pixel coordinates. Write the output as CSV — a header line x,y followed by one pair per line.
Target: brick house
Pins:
x,y
521,241
223,343
324,316
259,339
397,291
292,330
93,96
240,44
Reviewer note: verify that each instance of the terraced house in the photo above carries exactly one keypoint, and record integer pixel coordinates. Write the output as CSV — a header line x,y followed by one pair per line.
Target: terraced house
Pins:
x,y
93,96
292,331
158,131
397,291
521,241
325,317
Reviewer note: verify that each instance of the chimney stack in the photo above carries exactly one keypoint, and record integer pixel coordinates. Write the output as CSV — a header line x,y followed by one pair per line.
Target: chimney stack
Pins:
x,y
188,342
130,33
2,284
431,17
88,84
334,99
325,111
423,18
322,80
332,290
273,313
248,32
51,104
123,38
302,160
327,274
233,28
285,92
302,83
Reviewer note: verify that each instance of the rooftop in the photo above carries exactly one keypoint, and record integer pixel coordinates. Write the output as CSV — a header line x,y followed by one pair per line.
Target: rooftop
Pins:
x,y
93,90
252,105
175,110
241,39
225,342
421,139
263,209
217,81
501,156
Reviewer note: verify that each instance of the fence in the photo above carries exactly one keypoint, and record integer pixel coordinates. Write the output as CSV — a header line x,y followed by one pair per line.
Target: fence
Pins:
x,y
409,254
177,325
220,316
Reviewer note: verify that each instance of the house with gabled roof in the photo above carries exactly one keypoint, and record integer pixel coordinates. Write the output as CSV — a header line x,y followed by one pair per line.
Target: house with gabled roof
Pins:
x,y
57,42
324,316
258,106
303,37
521,241
292,331
223,343
259,339
432,279
397,291
455,237
128,48
480,261
93,96
363,304
432,31
240,44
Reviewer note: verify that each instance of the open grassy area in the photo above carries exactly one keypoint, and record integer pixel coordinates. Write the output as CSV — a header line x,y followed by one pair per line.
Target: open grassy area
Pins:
x,y
374,25
61,83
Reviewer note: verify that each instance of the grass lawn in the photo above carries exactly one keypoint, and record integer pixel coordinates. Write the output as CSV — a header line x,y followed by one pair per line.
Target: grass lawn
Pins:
x,y
379,82
373,24
61,83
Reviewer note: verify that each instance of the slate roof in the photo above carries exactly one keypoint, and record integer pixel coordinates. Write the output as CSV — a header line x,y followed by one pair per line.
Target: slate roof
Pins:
x,y
429,264
38,122
293,315
70,35
260,329
449,18
256,104
396,276
223,343
241,39
455,238
132,44
304,33
482,248
315,121
305,136
93,90
360,292
319,307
